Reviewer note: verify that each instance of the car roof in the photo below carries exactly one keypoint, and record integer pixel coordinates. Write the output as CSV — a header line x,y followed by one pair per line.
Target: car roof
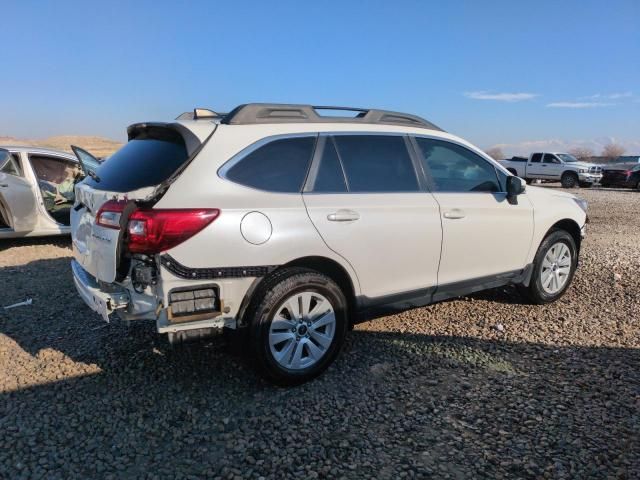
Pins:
x,y
42,150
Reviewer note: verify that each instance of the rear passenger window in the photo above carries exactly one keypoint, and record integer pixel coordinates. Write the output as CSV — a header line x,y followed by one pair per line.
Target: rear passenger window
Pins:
x,y
536,158
376,163
453,168
278,166
330,178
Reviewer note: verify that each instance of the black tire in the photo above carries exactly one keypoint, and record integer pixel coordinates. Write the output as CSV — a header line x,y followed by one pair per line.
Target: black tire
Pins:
x,y
529,181
569,180
534,291
269,298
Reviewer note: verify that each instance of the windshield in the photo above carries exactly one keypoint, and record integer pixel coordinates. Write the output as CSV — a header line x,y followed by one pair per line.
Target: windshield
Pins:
x,y
565,157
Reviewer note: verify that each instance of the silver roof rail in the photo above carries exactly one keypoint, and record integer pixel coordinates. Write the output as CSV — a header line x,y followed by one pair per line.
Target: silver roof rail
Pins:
x,y
252,113
199,113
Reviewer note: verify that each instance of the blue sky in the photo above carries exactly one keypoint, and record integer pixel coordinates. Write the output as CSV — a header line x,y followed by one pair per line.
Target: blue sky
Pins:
x,y
494,72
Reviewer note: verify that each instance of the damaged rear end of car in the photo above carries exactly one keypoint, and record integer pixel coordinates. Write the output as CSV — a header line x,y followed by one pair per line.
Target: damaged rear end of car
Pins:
x,y
118,236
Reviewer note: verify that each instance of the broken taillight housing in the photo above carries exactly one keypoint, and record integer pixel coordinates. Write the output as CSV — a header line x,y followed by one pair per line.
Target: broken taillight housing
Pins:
x,y
151,231
110,213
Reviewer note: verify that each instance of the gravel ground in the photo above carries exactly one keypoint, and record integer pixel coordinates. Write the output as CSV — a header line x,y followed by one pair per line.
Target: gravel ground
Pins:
x,y
479,387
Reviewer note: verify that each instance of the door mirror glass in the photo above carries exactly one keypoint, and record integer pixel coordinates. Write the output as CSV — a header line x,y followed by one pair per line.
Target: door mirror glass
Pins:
x,y
515,186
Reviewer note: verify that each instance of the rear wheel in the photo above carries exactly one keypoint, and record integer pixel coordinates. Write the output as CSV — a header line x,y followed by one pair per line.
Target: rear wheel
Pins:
x,y
553,268
569,180
298,322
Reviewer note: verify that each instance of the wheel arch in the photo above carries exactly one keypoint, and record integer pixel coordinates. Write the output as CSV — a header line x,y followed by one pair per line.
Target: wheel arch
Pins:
x,y
571,227
324,265
512,170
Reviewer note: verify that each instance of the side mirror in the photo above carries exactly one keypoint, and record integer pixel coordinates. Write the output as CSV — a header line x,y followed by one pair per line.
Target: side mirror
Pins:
x,y
515,186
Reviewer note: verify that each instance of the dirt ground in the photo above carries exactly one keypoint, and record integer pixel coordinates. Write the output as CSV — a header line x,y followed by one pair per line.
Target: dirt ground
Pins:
x,y
484,386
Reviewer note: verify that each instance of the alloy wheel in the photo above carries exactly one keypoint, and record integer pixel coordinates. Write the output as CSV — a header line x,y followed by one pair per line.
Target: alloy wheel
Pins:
x,y
302,330
556,268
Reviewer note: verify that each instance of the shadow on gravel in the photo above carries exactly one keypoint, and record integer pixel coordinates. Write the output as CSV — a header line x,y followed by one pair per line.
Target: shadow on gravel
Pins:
x,y
430,406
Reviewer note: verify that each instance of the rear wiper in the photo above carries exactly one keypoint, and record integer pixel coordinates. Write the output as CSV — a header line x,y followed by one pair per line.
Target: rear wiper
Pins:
x,y
93,175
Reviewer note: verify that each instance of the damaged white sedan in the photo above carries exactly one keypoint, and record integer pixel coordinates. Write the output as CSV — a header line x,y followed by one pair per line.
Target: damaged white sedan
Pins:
x,y
36,191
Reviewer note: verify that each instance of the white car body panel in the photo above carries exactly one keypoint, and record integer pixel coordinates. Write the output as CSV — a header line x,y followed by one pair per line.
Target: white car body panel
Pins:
x,y
34,221
492,236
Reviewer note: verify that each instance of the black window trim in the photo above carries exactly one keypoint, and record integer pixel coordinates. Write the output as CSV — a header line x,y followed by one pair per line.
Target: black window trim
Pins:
x,y
429,180
248,150
317,157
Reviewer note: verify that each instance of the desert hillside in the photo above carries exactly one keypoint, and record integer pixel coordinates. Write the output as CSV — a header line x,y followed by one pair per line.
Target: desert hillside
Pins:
x,y
99,146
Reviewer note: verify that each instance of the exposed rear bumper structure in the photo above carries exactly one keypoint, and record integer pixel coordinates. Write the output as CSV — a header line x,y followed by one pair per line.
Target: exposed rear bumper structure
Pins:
x,y
101,301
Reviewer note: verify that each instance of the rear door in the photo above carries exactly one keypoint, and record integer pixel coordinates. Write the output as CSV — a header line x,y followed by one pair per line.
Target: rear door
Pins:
x,y
153,154
534,166
18,207
483,233
365,199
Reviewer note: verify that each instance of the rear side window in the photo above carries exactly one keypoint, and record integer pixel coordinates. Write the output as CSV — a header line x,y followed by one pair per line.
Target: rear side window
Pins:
x,y
453,168
376,163
141,163
278,166
536,158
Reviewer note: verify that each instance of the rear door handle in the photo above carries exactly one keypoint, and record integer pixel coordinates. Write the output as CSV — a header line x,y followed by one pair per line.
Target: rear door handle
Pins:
x,y
343,216
454,214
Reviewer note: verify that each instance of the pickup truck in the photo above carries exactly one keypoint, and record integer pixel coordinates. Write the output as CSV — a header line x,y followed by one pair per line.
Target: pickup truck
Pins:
x,y
552,166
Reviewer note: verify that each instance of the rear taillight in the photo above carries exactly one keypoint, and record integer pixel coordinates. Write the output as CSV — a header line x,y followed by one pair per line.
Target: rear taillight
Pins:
x,y
109,214
156,230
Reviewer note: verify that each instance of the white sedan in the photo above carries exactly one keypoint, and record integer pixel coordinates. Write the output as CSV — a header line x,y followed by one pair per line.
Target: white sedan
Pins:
x,y
36,191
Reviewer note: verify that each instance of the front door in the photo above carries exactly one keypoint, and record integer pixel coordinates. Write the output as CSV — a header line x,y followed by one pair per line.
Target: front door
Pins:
x,y
483,234
364,198
18,209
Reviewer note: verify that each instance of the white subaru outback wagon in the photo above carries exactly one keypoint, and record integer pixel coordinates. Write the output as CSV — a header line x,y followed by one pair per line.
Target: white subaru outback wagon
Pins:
x,y
290,225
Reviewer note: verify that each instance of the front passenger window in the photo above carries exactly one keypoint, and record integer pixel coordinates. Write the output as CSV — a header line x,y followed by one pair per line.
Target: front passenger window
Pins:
x,y
548,158
453,168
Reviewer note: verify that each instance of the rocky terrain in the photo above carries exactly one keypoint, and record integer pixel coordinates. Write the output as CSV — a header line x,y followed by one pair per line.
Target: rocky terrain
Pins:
x,y
479,387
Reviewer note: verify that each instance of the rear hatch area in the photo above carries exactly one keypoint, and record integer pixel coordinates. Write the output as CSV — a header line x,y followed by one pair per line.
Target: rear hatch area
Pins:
x,y
136,176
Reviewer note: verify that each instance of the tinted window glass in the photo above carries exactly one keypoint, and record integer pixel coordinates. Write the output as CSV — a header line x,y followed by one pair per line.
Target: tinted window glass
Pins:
x,y
278,166
536,158
548,158
453,168
138,164
376,163
329,177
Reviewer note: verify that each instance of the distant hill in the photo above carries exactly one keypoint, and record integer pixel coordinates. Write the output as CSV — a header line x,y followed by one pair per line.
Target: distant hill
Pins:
x,y
98,146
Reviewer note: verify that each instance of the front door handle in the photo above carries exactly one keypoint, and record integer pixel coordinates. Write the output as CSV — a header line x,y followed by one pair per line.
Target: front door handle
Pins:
x,y
454,214
343,216
4,185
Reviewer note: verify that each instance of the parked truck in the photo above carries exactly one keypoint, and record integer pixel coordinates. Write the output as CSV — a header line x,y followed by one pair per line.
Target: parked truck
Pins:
x,y
552,166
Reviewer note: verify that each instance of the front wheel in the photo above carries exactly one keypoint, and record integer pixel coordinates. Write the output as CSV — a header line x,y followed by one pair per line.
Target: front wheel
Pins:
x,y
553,268
569,180
298,322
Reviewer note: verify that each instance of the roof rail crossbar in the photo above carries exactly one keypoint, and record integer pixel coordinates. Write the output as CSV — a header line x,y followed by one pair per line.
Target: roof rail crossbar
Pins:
x,y
252,113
